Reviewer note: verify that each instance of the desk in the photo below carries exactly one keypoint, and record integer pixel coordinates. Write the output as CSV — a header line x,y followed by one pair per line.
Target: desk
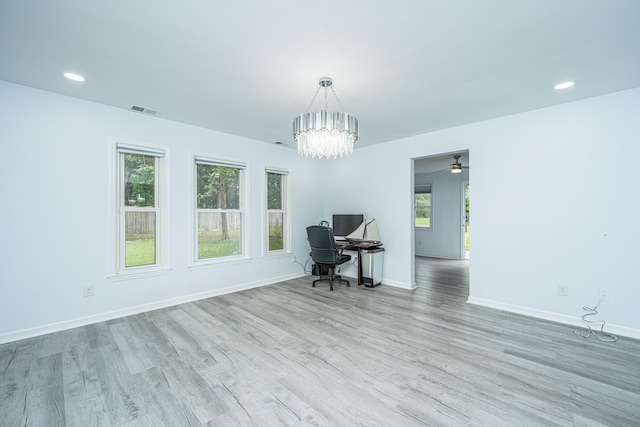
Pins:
x,y
359,247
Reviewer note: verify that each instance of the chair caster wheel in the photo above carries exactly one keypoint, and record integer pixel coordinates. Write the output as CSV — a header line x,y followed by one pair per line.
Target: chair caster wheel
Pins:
x,y
348,285
313,285
330,289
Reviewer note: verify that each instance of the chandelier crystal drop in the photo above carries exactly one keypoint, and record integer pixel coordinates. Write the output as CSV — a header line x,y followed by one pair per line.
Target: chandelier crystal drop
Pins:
x,y
324,133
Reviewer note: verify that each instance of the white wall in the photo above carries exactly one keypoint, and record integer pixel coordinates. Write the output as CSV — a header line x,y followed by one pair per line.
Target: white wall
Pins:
x,y
378,182
55,185
551,205
444,238
554,206
554,195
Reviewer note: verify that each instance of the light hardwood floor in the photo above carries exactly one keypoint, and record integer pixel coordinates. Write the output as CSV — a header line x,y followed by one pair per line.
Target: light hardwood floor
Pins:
x,y
290,354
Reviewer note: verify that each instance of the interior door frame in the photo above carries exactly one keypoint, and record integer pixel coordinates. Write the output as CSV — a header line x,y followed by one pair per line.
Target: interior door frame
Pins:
x,y
463,217
412,240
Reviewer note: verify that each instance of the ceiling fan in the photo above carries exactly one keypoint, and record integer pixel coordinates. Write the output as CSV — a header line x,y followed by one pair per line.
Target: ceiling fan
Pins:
x,y
457,167
440,164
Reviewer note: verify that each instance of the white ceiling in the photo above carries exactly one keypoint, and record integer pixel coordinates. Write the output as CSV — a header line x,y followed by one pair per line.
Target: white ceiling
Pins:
x,y
247,67
440,163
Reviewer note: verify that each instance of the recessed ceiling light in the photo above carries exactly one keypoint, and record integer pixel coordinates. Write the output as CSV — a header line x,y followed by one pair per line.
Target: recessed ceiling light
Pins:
x,y
564,85
75,77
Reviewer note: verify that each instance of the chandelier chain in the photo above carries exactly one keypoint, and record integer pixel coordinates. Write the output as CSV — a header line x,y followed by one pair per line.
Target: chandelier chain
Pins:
x,y
314,99
337,99
326,99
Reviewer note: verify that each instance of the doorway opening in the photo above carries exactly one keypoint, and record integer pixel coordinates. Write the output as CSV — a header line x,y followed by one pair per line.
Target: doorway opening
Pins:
x,y
442,222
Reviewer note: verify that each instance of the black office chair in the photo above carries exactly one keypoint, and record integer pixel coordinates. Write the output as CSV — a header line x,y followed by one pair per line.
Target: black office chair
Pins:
x,y
325,254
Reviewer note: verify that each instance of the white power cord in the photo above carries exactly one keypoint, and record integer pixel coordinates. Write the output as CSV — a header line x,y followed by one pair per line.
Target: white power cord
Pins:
x,y
601,336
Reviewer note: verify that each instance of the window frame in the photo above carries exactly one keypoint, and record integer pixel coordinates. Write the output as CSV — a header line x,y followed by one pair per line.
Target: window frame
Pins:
x,y
285,210
426,188
119,147
245,239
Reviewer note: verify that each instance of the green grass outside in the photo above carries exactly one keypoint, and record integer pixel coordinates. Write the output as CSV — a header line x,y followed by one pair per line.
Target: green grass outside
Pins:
x,y
275,244
211,245
140,249
275,239
423,222
218,248
466,238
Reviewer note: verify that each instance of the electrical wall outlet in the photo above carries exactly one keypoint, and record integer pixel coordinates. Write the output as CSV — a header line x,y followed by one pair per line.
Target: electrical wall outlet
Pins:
x,y
87,291
603,295
563,290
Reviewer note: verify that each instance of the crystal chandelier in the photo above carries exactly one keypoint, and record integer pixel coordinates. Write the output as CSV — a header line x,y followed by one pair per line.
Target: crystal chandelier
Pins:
x,y
325,133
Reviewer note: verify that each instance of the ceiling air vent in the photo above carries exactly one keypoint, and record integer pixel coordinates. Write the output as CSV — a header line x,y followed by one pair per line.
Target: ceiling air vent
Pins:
x,y
144,110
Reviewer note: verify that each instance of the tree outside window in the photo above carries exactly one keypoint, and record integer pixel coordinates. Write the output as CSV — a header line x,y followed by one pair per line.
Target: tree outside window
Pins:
x,y
218,211
139,209
423,210
140,226
275,211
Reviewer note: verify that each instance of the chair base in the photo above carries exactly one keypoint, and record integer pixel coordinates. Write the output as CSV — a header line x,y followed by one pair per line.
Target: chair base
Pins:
x,y
331,279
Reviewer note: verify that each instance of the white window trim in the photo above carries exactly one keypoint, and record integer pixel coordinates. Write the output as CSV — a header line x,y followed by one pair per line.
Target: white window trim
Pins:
x,y
416,192
117,271
245,256
286,223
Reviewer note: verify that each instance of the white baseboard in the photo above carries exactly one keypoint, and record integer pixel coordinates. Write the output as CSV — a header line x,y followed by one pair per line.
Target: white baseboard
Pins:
x,y
553,317
452,257
395,284
74,323
101,317
401,285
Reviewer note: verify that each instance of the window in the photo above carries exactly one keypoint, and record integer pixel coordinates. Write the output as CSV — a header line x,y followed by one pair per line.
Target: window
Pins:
x,y
141,198
277,217
423,205
219,210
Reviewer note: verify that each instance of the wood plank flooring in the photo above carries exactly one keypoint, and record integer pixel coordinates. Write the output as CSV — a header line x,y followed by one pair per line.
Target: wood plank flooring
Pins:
x,y
290,355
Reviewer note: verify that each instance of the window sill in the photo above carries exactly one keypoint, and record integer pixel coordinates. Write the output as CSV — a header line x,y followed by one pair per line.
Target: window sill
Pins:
x,y
277,255
129,275
218,263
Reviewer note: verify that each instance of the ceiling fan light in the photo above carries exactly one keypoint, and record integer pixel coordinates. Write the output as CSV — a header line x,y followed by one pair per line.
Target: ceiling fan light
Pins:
x,y
456,167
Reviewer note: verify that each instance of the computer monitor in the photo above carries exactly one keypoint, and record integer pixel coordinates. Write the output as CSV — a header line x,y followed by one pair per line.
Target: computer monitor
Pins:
x,y
344,224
